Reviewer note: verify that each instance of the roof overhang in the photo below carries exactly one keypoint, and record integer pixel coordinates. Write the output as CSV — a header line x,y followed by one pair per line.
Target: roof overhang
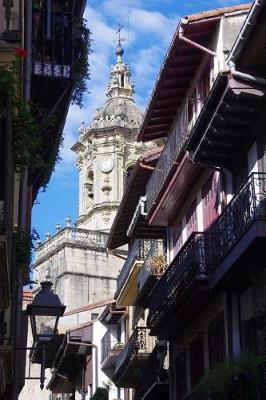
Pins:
x,y
178,69
135,188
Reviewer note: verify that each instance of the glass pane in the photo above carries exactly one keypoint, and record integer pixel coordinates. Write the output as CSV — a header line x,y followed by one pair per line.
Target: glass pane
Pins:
x,y
45,327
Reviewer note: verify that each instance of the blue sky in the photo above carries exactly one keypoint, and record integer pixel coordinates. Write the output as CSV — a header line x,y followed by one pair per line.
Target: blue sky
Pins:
x,y
151,26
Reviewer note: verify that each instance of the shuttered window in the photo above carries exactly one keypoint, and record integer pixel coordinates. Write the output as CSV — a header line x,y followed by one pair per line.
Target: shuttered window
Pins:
x,y
191,218
210,201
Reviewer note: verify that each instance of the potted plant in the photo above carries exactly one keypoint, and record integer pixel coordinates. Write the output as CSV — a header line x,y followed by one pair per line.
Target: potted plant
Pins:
x,y
157,264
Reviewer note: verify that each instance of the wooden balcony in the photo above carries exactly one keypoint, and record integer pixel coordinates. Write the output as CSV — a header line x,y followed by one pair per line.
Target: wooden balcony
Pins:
x,y
132,358
127,280
110,351
166,164
151,271
182,290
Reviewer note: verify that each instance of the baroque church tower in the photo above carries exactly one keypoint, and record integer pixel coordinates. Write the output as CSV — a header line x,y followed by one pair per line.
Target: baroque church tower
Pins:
x,y
107,151
75,257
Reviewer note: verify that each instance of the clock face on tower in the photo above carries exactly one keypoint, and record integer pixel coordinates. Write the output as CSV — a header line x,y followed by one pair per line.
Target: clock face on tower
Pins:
x,y
106,165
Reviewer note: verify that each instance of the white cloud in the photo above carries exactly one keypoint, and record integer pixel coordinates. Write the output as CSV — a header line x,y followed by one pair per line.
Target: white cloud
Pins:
x,y
146,28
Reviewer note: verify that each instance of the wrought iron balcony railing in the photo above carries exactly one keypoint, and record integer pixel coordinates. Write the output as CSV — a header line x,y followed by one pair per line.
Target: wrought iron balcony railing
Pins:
x,y
108,343
153,266
137,252
53,39
192,262
138,343
173,146
248,205
153,372
203,252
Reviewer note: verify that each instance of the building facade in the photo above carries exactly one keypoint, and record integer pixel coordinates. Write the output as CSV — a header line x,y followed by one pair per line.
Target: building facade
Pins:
x,y
194,276
36,84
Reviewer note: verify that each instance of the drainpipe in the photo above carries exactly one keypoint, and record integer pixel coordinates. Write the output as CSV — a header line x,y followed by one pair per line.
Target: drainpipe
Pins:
x,y
144,166
247,77
191,42
142,203
246,29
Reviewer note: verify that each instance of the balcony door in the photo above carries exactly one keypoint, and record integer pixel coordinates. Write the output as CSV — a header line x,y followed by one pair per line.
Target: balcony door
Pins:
x,y
210,201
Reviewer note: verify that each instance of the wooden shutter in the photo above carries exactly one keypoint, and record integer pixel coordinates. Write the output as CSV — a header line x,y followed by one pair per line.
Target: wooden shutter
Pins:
x,y
216,340
191,218
210,201
196,351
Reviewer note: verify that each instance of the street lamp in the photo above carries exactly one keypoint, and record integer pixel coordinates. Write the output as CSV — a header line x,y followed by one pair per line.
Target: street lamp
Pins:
x,y
44,313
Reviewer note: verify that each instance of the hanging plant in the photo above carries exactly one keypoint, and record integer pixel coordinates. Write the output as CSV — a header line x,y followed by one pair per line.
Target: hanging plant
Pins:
x,y
81,64
27,131
234,380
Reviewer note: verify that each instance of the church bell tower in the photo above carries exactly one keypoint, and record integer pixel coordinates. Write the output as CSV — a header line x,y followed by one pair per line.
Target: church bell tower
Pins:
x,y
107,150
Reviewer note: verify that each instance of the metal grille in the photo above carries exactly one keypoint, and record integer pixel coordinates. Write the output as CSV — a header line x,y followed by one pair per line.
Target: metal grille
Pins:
x,y
52,39
137,343
191,262
137,252
248,205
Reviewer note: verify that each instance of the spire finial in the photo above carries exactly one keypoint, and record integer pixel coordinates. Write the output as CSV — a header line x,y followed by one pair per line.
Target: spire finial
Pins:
x,y
119,49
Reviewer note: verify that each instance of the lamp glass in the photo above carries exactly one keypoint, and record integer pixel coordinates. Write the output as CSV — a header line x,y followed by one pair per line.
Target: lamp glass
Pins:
x,y
45,327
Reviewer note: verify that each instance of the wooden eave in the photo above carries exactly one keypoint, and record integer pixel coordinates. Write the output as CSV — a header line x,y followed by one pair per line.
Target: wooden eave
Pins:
x,y
180,65
175,76
231,114
135,188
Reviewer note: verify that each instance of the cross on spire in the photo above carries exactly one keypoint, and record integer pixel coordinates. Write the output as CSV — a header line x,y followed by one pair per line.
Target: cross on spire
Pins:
x,y
118,33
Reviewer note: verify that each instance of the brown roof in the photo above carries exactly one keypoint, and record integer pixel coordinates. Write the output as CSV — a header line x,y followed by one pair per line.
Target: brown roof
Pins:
x,y
91,306
217,12
178,70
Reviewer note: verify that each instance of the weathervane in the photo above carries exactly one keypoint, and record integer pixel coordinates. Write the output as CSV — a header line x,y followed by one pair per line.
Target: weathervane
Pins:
x,y
118,33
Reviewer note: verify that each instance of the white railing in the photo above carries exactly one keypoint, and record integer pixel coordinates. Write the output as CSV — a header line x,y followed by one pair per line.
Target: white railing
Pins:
x,y
71,235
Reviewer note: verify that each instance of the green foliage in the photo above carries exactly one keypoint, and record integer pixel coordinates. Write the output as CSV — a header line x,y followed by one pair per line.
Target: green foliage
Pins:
x,y
234,379
27,130
81,63
24,247
100,394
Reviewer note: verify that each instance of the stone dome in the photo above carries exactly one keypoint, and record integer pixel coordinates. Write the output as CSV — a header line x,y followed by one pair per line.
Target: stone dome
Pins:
x,y
120,109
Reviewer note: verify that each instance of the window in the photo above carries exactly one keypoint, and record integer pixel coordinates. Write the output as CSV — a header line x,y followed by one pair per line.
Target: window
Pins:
x,y
216,340
94,316
122,80
89,184
196,352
